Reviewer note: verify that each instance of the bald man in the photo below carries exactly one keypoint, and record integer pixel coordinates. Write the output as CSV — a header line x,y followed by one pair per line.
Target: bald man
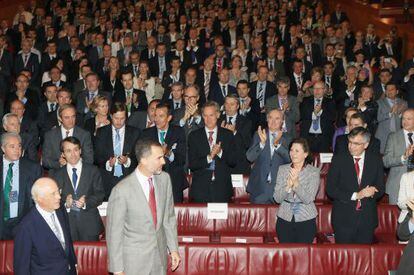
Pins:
x,y
43,244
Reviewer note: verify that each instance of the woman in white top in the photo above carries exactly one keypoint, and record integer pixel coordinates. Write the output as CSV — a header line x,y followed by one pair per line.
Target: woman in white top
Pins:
x,y
144,81
241,50
405,194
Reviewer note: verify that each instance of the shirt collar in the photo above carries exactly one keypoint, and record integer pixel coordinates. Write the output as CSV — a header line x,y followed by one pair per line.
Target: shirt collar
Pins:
x,y
361,157
78,166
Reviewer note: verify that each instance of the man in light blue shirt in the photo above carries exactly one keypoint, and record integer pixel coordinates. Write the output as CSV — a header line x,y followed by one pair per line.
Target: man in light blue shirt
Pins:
x,y
18,175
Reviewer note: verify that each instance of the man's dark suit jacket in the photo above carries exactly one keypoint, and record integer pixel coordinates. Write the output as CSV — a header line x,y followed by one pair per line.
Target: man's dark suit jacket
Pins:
x,y
29,172
154,65
406,265
51,146
38,251
216,93
85,225
243,139
6,70
81,103
342,183
119,96
104,150
203,188
270,91
32,104
138,120
341,145
175,141
33,65
326,120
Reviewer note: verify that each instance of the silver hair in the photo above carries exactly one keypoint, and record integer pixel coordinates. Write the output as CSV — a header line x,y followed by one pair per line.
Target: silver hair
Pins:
x,y
7,116
6,136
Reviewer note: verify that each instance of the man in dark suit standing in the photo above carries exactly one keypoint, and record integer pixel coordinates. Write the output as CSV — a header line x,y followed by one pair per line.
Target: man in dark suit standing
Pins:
x,y
317,115
18,175
172,139
52,157
220,89
135,100
355,183
85,98
241,127
26,60
269,150
43,244
82,192
211,154
114,148
356,120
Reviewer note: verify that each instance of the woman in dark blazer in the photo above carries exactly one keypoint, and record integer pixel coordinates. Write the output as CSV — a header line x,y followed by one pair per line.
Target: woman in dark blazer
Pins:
x,y
296,186
100,107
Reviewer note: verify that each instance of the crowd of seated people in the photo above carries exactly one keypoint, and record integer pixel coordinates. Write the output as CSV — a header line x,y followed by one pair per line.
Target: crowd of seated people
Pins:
x,y
226,87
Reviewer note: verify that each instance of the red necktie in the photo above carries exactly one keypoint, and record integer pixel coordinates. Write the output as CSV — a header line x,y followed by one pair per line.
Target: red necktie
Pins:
x,y
210,137
151,202
358,206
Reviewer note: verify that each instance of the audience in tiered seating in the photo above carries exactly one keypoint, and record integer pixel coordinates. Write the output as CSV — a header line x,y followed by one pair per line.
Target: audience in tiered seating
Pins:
x,y
224,86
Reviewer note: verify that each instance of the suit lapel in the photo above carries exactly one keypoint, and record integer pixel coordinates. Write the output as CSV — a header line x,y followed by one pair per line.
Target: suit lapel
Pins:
x,y
141,196
158,198
365,171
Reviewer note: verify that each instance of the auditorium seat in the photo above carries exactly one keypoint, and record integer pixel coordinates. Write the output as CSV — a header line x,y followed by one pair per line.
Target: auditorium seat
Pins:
x,y
92,258
386,232
252,259
280,259
6,257
325,230
349,259
271,223
192,223
217,259
245,224
385,257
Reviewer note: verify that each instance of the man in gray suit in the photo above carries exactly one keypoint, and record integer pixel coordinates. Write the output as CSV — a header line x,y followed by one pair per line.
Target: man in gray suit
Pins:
x,y
398,152
389,113
141,223
287,104
268,151
52,157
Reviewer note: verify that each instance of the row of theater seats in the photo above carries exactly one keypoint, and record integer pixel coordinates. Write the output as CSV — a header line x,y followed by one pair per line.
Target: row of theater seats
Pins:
x,y
264,259
255,224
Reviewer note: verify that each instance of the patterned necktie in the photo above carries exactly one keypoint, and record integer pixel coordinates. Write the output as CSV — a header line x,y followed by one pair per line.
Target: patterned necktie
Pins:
x,y
52,107
177,105
260,95
357,170
162,137
7,190
151,202
56,231
213,162
117,151
315,122
206,85
223,90
230,120
67,133
410,160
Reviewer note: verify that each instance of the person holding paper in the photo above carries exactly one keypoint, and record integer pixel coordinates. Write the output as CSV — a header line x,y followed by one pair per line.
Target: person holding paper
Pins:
x,y
141,224
267,152
296,187
355,183
82,192
211,155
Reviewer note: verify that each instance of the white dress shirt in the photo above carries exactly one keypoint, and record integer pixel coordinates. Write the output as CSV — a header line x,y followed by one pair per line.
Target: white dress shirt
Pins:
x,y
47,217
63,131
361,171
143,181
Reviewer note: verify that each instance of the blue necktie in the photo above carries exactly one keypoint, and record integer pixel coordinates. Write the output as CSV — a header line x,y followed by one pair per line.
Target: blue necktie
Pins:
x,y
74,179
118,153
315,122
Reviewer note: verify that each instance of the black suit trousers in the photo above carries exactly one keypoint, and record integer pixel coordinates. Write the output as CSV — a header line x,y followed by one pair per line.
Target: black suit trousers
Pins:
x,y
296,232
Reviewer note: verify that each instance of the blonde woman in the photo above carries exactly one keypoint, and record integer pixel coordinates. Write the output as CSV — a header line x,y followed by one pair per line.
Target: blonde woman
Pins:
x,y
100,107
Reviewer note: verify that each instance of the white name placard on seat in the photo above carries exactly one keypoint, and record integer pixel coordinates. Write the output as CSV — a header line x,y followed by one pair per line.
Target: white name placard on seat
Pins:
x,y
102,209
237,180
326,157
218,211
